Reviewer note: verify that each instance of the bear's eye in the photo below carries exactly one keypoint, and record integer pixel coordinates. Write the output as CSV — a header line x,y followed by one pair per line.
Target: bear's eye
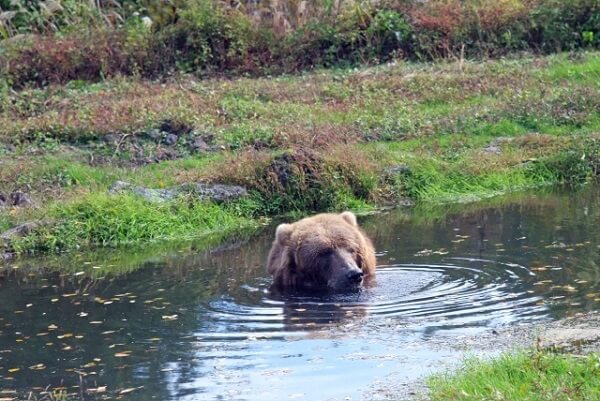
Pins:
x,y
325,253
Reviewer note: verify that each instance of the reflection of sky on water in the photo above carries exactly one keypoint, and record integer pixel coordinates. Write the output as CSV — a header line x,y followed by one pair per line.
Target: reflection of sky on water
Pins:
x,y
305,369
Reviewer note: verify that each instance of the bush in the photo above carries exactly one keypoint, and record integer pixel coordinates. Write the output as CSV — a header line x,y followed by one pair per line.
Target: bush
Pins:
x,y
495,27
558,25
89,56
302,179
359,37
207,36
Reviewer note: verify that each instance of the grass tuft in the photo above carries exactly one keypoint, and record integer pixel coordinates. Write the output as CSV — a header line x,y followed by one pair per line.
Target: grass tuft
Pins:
x,y
106,220
523,376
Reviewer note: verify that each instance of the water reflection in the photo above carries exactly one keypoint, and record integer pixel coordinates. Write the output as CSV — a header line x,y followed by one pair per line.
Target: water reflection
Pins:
x,y
205,326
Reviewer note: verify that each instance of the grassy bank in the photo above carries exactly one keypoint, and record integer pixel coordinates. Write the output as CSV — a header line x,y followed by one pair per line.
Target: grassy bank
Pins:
x,y
330,140
525,376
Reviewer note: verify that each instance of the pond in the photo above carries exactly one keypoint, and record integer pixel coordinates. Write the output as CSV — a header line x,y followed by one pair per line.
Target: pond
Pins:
x,y
189,325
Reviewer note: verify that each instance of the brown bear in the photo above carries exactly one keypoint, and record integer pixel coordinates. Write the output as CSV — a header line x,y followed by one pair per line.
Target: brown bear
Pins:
x,y
322,252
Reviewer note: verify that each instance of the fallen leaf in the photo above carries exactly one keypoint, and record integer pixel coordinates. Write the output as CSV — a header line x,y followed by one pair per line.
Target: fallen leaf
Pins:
x,y
129,390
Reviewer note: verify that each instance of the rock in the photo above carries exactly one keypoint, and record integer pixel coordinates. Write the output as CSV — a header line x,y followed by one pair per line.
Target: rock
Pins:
x,y
198,145
161,155
216,148
493,149
406,202
171,139
155,195
8,148
119,186
164,154
208,137
370,138
500,140
397,169
495,144
19,199
22,230
151,195
214,192
6,256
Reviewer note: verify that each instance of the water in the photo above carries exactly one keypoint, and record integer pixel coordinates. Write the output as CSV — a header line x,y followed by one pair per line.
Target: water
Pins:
x,y
204,326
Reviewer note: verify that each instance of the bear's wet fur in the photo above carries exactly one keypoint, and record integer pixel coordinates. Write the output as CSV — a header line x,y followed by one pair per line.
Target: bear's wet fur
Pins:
x,y
321,252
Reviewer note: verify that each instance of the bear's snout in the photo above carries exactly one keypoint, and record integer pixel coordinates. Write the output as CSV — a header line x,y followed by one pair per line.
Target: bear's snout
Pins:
x,y
344,270
355,276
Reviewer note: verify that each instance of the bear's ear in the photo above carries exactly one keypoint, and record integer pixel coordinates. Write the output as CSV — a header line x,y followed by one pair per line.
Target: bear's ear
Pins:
x,y
283,234
350,218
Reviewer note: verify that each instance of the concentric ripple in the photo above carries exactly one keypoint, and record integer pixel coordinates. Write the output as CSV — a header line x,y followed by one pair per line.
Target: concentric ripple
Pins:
x,y
456,292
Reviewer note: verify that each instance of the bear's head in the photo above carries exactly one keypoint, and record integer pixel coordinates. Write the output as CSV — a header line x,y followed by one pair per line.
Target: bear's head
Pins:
x,y
326,251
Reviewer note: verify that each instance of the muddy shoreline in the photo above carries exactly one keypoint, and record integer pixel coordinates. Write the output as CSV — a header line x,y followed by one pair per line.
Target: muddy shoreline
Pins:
x,y
576,335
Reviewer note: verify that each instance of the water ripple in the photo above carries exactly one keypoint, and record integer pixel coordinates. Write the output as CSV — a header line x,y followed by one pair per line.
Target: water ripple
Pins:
x,y
458,291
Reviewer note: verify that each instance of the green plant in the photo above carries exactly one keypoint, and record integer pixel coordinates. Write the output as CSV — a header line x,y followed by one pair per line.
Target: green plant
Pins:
x,y
112,220
557,25
522,376
388,33
205,37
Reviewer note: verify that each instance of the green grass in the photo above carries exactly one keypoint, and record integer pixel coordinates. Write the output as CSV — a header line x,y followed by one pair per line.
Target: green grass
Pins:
x,y
101,219
522,376
587,72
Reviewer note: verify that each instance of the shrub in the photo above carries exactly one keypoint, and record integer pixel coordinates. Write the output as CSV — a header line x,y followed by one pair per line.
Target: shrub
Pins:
x,y
205,37
208,36
558,25
88,55
301,179
439,27
360,36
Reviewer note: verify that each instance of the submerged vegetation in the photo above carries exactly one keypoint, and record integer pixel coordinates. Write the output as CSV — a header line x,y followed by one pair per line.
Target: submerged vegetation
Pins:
x,y
524,376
